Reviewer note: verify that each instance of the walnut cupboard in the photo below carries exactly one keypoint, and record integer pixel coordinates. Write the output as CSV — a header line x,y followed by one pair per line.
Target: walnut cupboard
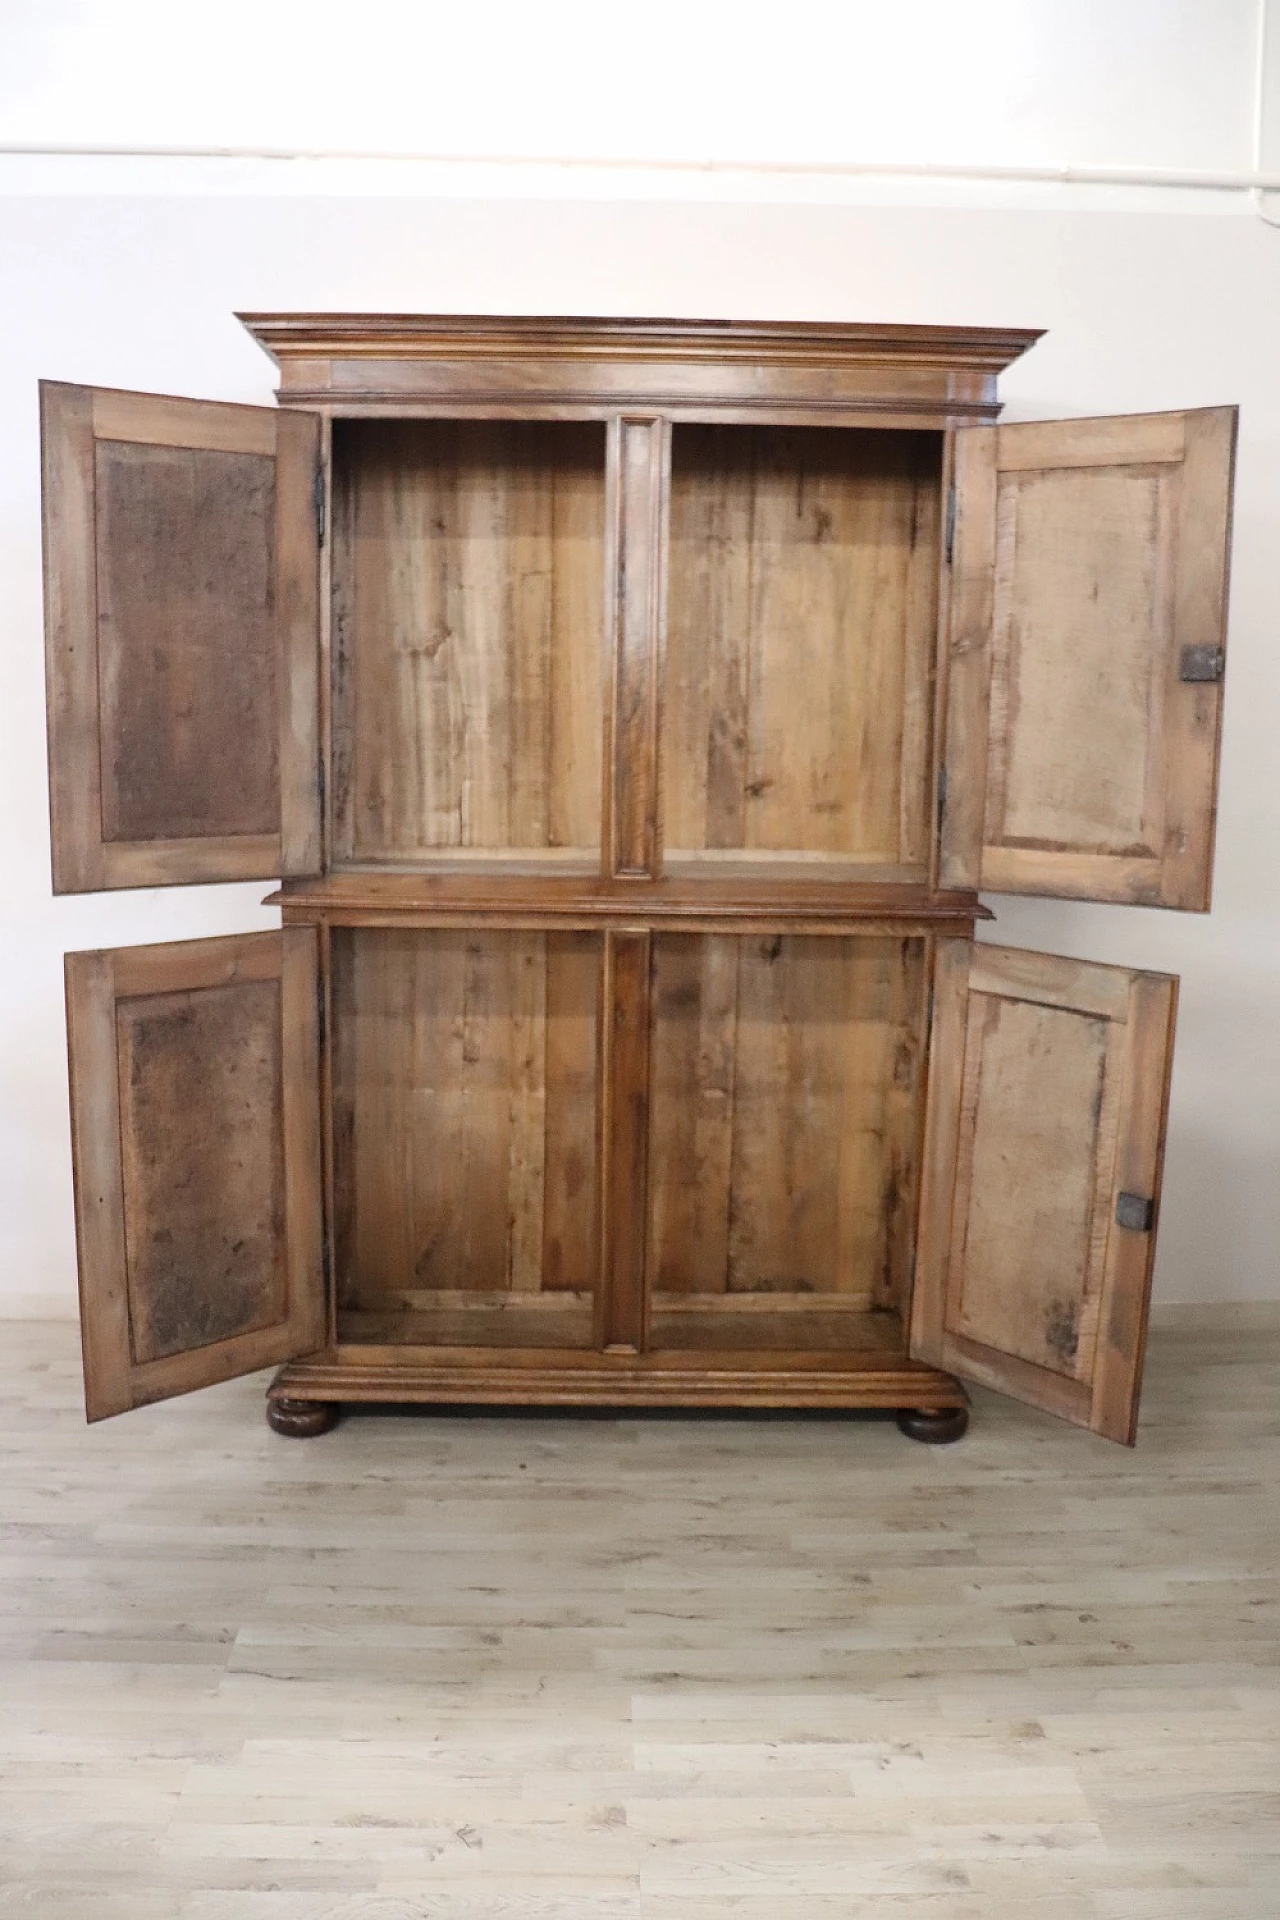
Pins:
x,y
633,712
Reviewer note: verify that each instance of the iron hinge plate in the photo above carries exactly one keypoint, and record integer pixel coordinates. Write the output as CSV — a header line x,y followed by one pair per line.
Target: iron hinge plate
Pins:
x,y
1202,664
1136,1212
317,499
951,522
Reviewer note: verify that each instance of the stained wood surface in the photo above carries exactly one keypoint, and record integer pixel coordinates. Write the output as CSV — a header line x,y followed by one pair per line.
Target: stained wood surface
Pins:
x,y
433,365
468,638
195,1120
181,638
801,620
744,897
641,1669
464,1117
1109,558
1025,1279
625,1087
639,461
785,1110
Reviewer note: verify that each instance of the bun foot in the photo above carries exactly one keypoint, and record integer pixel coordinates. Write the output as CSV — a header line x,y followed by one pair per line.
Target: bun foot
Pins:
x,y
937,1426
301,1419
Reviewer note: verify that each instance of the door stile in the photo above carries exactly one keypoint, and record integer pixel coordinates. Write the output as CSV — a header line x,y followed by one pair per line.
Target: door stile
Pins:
x,y
625,1026
636,510
941,1136
324,1008
967,645
941,660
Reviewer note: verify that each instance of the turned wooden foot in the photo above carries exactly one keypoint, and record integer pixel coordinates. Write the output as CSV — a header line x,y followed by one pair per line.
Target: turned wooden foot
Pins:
x,y
301,1419
935,1425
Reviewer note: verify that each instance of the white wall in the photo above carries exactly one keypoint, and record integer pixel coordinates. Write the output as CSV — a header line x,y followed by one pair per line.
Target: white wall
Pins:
x,y
1151,301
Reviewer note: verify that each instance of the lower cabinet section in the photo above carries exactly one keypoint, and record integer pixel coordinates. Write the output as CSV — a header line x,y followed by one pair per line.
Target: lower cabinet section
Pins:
x,y
782,1085
618,1166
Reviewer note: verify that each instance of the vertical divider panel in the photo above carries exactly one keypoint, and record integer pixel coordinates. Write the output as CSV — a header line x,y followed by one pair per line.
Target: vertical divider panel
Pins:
x,y
637,510
624,1138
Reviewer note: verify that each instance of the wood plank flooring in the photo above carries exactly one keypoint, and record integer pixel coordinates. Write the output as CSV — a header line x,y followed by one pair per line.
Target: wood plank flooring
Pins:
x,y
772,1668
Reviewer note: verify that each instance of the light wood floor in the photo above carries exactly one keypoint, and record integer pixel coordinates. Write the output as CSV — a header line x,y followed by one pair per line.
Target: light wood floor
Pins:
x,y
581,1669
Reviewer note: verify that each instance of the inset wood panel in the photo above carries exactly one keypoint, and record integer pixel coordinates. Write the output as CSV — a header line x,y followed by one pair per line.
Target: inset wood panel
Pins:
x,y
464,1103
785,1113
204,1220
181,600
801,625
186,547
468,695
196,1132
1047,1096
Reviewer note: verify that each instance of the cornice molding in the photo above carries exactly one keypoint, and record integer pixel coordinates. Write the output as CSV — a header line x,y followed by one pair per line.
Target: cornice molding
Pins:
x,y
790,343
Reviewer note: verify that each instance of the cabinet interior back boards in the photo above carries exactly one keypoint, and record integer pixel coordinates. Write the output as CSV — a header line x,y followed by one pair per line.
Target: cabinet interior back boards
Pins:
x,y
634,710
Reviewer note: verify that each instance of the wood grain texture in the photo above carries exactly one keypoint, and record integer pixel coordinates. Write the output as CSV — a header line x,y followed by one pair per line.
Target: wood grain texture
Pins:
x,y
639,463
432,364
786,1086
969,609
643,1669
624,1138
195,1120
744,898
802,609
1057,1109
468,633
868,1372
464,1104
1109,558
181,635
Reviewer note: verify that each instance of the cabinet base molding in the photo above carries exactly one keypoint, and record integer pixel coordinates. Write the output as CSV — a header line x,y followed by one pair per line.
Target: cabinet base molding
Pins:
x,y
481,1377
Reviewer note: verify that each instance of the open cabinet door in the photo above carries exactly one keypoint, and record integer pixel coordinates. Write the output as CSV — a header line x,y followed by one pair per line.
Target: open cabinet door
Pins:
x,y
1087,633
181,639
195,1128
1048,1087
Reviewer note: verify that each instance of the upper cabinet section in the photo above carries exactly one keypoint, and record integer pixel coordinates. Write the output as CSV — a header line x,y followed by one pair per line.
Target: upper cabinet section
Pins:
x,y
181,619
1088,623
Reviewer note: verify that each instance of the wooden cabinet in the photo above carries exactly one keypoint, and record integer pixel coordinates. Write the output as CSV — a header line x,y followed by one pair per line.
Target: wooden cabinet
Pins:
x,y
634,711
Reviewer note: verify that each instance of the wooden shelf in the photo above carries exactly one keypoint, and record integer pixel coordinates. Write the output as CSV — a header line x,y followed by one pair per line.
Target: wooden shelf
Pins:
x,y
733,901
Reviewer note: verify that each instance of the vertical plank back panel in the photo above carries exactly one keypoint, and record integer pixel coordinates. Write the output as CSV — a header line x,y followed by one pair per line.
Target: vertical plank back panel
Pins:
x,y
467,645
801,624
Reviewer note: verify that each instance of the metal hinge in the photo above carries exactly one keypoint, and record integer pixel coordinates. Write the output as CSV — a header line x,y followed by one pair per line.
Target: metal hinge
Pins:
x,y
929,1026
322,1019
1202,663
1135,1211
951,522
942,795
317,497
321,788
